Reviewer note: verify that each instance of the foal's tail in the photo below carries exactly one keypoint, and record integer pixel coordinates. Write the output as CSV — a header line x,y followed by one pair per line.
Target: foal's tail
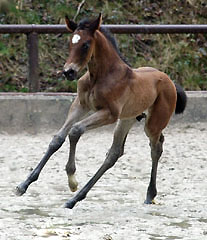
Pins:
x,y
181,99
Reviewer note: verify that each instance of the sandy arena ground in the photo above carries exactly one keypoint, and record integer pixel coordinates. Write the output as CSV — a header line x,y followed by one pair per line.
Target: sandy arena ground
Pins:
x,y
114,208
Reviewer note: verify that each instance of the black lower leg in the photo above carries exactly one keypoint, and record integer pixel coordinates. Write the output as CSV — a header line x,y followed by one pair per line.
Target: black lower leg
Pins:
x,y
156,152
152,190
55,144
122,149
109,162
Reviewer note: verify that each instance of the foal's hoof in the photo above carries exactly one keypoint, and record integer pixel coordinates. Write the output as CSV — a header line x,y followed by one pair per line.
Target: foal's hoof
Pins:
x,y
20,190
70,204
150,201
72,182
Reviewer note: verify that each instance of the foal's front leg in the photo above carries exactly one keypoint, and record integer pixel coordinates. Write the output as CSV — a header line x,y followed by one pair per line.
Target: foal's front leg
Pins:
x,y
97,119
115,152
74,136
75,113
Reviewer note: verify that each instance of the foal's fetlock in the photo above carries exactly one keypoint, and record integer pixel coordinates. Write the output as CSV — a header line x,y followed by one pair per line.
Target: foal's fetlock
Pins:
x,y
20,189
147,201
151,194
72,182
150,199
56,143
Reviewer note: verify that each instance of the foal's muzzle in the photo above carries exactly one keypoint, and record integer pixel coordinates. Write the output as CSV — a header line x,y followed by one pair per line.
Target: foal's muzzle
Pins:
x,y
70,74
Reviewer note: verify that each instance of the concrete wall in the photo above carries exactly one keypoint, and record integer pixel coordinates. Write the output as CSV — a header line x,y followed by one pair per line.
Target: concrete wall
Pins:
x,y
39,112
33,113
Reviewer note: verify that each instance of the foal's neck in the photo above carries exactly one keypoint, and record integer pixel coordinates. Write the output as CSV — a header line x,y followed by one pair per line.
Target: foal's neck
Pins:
x,y
104,58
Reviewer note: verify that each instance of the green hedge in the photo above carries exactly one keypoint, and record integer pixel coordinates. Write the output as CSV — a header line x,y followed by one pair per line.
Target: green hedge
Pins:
x,y
183,57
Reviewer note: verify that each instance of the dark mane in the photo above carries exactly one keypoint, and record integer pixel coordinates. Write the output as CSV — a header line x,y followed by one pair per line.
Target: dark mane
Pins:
x,y
84,24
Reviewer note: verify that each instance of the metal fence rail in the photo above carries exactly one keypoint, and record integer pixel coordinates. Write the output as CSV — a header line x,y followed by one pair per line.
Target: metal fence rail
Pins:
x,y
121,29
32,31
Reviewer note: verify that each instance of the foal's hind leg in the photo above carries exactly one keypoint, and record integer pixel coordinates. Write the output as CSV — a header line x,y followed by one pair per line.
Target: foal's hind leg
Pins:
x,y
115,151
139,118
156,152
158,117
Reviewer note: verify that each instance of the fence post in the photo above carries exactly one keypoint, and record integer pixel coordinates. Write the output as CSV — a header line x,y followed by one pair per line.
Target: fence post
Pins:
x,y
33,76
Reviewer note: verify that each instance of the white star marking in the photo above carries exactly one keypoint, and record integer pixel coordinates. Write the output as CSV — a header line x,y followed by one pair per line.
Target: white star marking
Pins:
x,y
76,38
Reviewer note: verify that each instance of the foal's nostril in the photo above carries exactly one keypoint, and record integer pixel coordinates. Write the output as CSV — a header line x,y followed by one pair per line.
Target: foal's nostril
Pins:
x,y
70,74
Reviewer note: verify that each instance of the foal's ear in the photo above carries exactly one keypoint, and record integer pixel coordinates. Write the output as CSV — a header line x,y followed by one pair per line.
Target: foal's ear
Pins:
x,y
71,26
95,25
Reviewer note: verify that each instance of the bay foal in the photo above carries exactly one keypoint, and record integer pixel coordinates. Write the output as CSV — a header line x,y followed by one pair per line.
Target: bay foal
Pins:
x,y
115,92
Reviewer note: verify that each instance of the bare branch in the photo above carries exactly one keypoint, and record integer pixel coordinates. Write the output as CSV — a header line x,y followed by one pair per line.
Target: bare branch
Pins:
x,y
78,10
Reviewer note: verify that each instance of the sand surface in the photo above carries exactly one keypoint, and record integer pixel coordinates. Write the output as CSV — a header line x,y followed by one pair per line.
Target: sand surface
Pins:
x,y
113,209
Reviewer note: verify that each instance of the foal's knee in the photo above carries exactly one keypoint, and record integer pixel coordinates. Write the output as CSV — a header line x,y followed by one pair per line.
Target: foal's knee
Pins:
x,y
75,132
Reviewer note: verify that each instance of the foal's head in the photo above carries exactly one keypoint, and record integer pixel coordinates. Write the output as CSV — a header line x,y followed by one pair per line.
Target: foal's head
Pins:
x,y
81,45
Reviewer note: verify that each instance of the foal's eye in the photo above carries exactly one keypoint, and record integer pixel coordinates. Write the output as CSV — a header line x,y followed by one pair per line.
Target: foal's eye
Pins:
x,y
86,46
